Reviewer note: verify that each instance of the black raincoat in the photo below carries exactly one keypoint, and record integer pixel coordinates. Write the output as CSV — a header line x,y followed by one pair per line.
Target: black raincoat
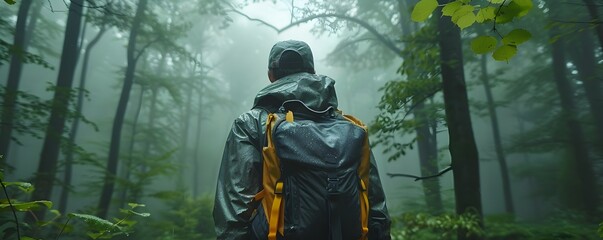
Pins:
x,y
240,176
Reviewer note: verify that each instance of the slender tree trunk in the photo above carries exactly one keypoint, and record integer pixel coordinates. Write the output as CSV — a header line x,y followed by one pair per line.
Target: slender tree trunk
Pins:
x,y
463,151
594,14
12,84
32,22
151,141
132,58
586,63
45,174
127,166
428,160
574,130
500,155
76,122
196,159
185,131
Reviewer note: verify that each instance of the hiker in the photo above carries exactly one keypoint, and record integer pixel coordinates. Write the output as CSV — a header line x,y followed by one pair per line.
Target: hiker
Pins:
x,y
243,200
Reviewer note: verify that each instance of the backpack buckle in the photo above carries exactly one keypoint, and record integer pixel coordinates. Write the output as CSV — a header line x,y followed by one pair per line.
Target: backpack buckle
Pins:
x,y
278,189
333,186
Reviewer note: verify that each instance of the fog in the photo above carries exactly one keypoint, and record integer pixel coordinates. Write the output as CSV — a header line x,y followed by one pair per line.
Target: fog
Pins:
x,y
200,64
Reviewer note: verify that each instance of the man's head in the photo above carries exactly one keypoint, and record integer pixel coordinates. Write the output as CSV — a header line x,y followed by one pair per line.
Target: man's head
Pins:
x,y
289,57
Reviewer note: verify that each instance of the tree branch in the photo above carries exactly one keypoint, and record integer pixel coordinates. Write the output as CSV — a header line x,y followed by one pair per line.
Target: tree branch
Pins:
x,y
388,43
384,40
417,178
256,20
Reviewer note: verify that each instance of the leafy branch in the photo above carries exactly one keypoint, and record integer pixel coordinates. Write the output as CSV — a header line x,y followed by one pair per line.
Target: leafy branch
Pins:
x,y
464,15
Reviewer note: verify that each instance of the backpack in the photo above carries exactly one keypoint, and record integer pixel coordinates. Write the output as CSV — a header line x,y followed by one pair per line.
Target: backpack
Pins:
x,y
315,176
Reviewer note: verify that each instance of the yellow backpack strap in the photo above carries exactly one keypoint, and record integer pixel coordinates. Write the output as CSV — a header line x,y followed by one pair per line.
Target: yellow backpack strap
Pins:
x,y
363,173
364,210
276,222
272,201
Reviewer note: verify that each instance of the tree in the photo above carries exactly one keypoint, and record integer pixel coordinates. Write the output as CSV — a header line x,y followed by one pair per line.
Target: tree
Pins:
x,y
45,174
133,54
463,150
19,49
594,14
75,124
583,167
500,155
586,63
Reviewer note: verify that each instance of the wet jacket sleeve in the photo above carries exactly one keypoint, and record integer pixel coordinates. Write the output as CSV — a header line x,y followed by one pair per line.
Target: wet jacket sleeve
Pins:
x,y
238,180
379,220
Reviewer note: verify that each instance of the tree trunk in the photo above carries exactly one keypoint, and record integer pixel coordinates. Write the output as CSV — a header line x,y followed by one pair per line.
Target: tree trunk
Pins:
x,y
132,58
428,159
185,131
126,168
76,122
45,174
32,22
586,63
12,84
463,151
594,13
584,59
197,143
500,155
150,141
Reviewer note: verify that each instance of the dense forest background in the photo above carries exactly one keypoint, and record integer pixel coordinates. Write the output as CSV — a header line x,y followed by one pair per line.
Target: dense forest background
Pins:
x,y
115,112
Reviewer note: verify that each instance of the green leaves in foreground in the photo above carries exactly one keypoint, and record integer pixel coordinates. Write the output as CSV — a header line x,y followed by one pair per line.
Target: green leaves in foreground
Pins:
x,y
25,206
508,49
423,10
483,44
465,14
99,228
10,2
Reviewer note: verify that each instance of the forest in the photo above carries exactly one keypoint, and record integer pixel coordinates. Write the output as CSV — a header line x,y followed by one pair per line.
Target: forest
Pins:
x,y
485,116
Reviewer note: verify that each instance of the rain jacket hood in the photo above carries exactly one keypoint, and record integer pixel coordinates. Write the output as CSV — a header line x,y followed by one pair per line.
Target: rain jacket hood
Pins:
x,y
316,91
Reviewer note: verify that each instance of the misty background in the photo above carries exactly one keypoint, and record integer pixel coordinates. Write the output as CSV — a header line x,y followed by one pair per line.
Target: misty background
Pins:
x,y
204,61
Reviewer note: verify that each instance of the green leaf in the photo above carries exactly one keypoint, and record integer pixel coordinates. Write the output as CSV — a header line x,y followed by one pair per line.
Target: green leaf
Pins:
x,y
423,9
451,7
94,222
24,186
496,1
466,21
516,37
504,52
26,206
485,14
483,44
139,214
524,5
135,205
10,2
461,12
508,12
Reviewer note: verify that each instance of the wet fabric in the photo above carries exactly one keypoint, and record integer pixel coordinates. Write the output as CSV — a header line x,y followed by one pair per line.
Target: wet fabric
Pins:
x,y
240,172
